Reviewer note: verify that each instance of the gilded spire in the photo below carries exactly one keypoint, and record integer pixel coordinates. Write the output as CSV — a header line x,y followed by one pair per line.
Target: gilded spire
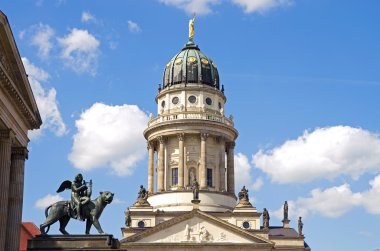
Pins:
x,y
191,28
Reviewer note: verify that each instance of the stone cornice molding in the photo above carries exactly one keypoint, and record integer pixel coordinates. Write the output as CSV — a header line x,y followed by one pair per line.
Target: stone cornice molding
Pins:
x,y
20,153
32,118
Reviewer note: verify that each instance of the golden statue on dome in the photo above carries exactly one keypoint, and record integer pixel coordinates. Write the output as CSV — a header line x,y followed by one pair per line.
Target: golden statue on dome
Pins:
x,y
191,28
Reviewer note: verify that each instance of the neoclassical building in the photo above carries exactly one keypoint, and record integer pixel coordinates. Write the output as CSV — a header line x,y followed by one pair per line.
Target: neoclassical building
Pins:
x,y
18,114
191,145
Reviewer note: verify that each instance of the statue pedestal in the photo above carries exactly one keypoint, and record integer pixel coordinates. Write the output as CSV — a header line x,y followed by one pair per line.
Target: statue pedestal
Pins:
x,y
73,242
285,223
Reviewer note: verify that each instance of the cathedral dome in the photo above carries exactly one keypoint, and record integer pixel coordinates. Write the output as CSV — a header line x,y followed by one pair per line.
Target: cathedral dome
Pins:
x,y
191,65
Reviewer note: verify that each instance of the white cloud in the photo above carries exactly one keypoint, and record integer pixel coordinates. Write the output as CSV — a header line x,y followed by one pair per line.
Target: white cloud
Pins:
x,y
47,201
80,51
200,7
133,27
243,171
42,39
109,136
261,6
335,201
256,186
324,153
46,101
87,17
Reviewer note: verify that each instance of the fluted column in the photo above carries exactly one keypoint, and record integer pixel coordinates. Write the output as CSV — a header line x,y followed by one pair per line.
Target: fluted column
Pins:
x,y
203,178
217,168
230,168
16,193
222,165
5,163
151,167
160,168
181,177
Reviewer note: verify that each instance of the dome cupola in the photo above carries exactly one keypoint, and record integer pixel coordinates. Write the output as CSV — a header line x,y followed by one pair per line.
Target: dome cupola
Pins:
x,y
191,65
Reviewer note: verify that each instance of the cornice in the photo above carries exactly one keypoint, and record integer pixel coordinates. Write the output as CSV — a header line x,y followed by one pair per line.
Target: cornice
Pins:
x,y
32,118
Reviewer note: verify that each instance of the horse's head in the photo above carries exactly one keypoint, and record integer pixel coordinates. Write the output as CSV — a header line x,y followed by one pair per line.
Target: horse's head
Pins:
x,y
106,196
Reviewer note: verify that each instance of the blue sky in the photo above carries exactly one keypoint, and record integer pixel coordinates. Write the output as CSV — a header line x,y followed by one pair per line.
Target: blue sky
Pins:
x,y
301,78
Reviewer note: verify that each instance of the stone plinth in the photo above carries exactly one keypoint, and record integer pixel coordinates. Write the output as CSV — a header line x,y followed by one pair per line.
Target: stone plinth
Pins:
x,y
73,242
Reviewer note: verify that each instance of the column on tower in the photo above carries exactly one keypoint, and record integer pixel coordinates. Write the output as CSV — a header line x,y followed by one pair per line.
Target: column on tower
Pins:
x,y
16,192
160,167
5,163
151,167
181,172
222,164
230,168
203,172
216,176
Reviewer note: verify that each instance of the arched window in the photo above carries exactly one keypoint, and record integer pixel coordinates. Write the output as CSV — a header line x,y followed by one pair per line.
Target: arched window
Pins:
x,y
174,176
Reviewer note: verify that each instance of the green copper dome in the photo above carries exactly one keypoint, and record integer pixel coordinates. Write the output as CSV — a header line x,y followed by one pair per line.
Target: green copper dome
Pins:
x,y
191,65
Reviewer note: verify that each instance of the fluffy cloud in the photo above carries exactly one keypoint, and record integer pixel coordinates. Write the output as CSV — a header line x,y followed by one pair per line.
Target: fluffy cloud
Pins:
x,y
243,171
42,39
200,7
335,201
324,153
47,201
261,6
46,101
109,136
87,17
133,27
80,51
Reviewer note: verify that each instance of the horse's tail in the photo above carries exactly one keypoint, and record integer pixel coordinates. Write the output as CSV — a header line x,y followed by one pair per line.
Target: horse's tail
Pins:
x,y
46,215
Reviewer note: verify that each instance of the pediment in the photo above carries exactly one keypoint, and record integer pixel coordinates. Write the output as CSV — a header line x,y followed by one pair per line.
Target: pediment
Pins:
x,y
196,227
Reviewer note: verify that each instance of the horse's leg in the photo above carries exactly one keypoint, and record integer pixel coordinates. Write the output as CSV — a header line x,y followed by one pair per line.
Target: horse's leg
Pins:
x,y
63,223
88,225
97,225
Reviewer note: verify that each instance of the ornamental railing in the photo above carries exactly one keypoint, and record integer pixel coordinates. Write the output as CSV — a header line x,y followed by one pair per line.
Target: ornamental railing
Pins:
x,y
183,116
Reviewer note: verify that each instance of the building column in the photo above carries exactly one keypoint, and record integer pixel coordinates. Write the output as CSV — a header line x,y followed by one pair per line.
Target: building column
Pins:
x,y
203,172
15,198
6,137
181,176
230,168
222,165
160,167
151,167
216,175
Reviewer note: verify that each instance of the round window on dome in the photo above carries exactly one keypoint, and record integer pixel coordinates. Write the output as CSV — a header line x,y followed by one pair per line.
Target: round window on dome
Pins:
x,y
209,101
178,61
141,224
175,100
163,104
204,61
192,99
191,59
246,225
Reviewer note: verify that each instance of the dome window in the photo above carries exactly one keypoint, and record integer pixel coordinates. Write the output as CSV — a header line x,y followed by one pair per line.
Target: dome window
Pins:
x,y
209,101
220,105
191,59
163,104
175,100
192,99
178,61
204,61
246,225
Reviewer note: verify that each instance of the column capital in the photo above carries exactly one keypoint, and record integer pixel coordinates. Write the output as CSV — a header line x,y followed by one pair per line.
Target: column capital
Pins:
x,y
231,145
204,135
149,145
161,139
181,136
220,139
20,153
6,135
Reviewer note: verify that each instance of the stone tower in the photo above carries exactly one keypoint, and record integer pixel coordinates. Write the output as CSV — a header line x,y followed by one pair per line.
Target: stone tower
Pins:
x,y
191,136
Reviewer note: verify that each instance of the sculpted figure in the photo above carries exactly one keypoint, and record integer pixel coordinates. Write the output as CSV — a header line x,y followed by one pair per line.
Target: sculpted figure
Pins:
x,y
300,226
286,209
191,28
266,219
80,194
195,189
143,194
243,194
128,219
